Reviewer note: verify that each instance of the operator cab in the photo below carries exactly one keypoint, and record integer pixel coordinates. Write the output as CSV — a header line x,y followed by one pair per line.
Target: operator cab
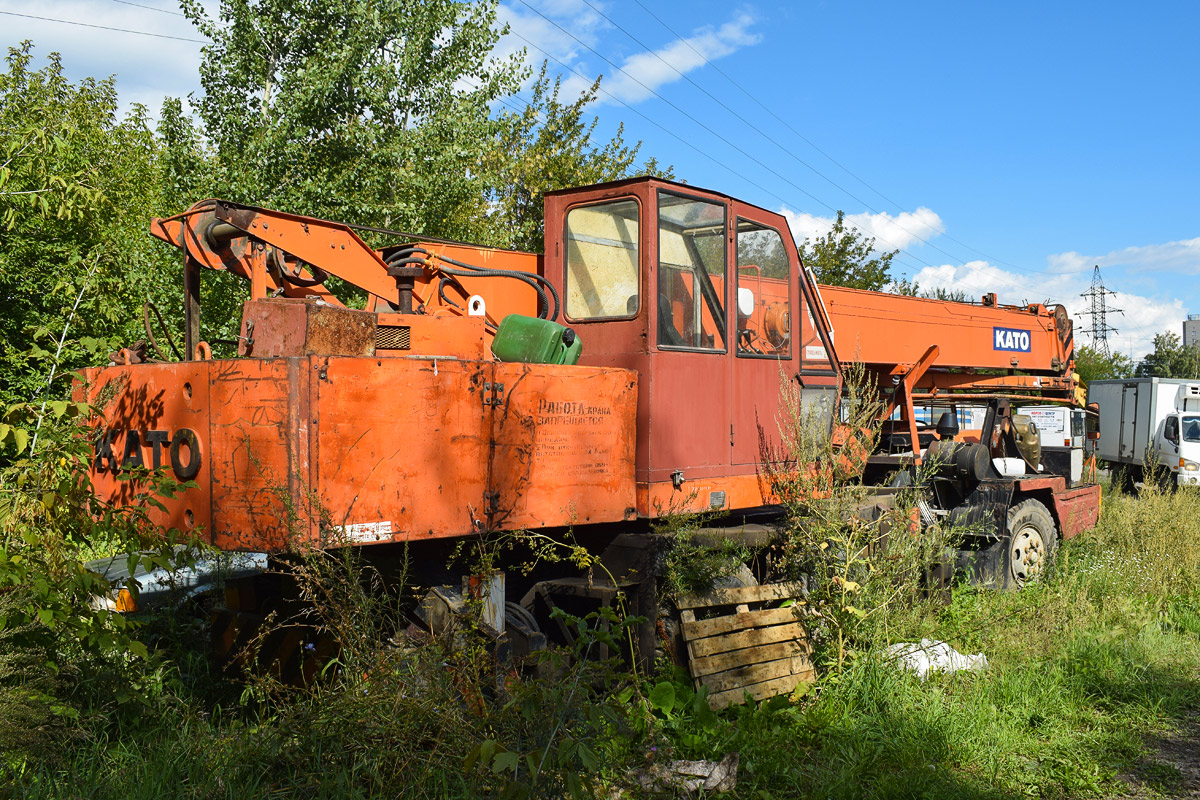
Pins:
x,y
705,297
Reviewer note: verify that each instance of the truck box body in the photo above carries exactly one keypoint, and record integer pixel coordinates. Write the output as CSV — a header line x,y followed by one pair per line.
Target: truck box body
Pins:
x,y
1130,412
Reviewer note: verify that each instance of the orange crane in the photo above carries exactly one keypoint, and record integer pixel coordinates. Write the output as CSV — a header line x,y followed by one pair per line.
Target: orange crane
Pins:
x,y
631,371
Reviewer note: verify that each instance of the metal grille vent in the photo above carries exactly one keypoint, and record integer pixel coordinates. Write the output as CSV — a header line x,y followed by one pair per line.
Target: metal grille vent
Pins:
x,y
391,337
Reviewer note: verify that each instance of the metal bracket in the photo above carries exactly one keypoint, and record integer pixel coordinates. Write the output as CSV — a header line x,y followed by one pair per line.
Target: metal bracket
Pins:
x,y
493,394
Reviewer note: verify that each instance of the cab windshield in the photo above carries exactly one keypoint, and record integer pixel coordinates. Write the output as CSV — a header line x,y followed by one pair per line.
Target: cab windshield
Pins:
x,y
1191,429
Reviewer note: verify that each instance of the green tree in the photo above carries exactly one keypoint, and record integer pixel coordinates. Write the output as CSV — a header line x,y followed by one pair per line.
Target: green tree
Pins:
x,y
1170,359
1092,365
846,257
913,289
548,145
371,111
77,185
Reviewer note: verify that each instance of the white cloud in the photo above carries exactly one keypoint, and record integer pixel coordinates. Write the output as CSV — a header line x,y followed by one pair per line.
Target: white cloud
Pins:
x,y
147,68
1181,257
543,38
642,74
890,232
553,32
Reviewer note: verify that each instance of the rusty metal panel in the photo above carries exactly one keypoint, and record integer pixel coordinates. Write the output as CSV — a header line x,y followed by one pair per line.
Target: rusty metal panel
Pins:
x,y
402,447
261,469
291,327
154,403
714,491
565,441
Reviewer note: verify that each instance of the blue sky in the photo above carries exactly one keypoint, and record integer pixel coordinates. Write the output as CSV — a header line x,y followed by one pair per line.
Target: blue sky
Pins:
x,y
1001,147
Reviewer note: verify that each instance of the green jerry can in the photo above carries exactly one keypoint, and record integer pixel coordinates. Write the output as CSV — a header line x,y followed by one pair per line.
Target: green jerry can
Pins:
x,y
535,341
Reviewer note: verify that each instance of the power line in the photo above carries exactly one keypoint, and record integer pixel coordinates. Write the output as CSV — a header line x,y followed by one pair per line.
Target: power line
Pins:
x,y
811,143
698,122
150,8
652,121
1001,278
103,27
755,128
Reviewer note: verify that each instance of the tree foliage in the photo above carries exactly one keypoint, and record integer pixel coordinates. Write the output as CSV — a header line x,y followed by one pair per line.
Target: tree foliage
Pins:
x,y
374,112
78,186
1092,365
1170,359
845,256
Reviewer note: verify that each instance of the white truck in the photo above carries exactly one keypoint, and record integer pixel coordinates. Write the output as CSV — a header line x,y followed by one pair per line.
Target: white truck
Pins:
x,y
1160,416
1062,433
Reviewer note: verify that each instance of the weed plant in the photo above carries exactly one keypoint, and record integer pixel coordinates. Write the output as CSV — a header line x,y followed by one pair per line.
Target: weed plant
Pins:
x,y
64,653
864,558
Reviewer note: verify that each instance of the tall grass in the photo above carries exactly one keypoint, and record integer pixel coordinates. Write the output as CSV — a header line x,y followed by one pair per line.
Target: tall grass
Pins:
x,y
1082,666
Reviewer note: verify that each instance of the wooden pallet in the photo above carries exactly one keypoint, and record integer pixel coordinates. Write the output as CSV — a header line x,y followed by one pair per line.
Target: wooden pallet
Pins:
x,y
763,651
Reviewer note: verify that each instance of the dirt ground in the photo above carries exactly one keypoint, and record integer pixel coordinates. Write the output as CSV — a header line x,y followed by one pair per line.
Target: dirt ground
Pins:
x,y
1171,767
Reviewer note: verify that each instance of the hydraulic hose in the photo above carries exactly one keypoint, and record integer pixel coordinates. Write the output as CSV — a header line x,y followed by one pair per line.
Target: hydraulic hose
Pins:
x,y
414,255
531,278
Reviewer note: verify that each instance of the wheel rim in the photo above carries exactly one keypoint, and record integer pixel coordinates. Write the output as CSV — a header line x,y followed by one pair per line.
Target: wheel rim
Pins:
x,y
1027,554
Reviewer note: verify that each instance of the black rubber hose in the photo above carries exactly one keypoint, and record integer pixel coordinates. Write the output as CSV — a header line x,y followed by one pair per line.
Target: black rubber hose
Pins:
x,y
442,294
401,262
543,300
406,255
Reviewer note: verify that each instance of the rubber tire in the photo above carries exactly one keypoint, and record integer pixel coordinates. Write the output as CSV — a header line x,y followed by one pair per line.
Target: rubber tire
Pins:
x,y
1029,517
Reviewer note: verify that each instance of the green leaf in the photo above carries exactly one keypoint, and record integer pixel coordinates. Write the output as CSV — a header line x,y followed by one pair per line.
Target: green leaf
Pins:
x,y
588,757
20,439
505,762
662,696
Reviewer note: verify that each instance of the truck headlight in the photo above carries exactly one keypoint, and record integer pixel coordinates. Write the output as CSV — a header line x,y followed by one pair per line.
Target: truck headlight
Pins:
x,y
1190,466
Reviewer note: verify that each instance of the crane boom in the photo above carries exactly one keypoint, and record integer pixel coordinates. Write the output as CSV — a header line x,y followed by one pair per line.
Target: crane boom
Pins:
x,y
1000,349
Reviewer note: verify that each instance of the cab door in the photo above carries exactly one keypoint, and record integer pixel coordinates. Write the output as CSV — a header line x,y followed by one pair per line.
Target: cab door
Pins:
x,y
779,344
689,385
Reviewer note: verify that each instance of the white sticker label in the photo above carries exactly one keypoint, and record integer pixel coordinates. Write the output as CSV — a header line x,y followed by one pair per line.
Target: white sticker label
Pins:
x,y
814,352
367,531
1048,420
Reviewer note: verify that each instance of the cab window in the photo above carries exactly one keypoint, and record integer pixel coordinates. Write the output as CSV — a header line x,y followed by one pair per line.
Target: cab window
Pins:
x,y
763,297
691,273
602,261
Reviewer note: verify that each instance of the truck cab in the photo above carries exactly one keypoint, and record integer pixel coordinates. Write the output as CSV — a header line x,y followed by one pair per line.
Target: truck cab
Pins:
x,y
1177,438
